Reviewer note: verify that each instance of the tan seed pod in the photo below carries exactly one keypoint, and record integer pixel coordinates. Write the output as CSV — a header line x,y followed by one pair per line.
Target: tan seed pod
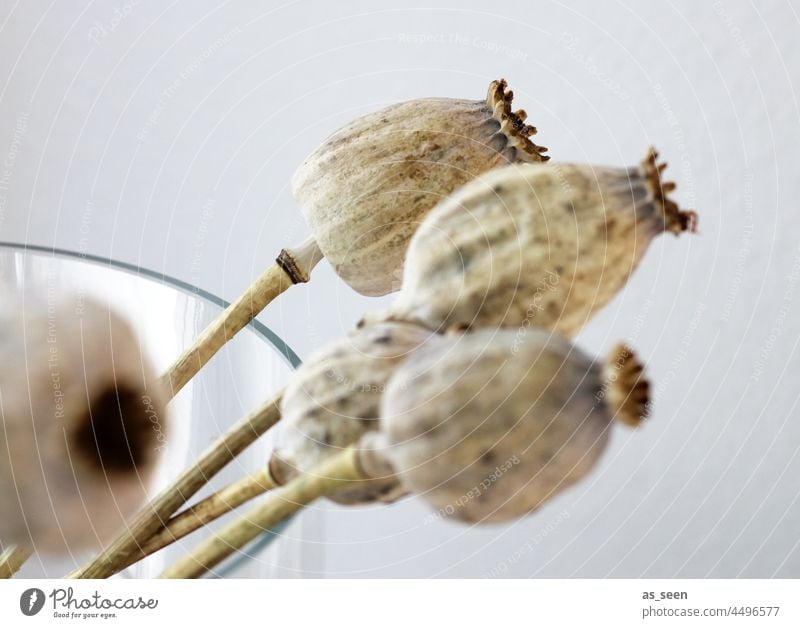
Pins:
x,y
489,426
535,245
333,400
366,189
83,422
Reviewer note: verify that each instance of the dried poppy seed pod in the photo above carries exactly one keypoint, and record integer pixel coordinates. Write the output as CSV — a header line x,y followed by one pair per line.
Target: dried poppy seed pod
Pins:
x,y
489,426
535,245
83,422
366,189
334,399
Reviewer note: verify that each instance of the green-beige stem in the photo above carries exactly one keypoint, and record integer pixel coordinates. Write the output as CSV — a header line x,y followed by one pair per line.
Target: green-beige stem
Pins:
x,y
153,517
292,266
342,469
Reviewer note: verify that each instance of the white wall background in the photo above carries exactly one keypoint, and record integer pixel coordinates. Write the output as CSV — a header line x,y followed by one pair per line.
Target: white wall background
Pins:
x,y
165,134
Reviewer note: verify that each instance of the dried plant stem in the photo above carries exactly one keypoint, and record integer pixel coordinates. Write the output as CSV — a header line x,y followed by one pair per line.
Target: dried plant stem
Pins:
x,y
323,479
292,266
152,518
12,559
208,510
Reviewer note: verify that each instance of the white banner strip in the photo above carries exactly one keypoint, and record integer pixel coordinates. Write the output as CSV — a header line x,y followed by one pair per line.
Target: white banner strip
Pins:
x,y
400,603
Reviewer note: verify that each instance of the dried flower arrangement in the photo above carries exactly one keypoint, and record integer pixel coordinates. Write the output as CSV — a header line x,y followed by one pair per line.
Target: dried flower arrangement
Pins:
x,y
364,192
468,379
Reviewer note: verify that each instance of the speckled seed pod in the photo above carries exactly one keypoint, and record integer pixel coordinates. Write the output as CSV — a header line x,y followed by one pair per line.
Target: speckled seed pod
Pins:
x,y
83,422
535,245
366,189
333,399
489,426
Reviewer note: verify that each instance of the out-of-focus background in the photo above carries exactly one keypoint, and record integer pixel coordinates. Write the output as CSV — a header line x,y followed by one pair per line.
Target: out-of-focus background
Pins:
x,y
165,134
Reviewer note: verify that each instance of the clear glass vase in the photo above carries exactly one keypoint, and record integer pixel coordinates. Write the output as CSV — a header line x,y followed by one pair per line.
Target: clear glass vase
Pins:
x,y
168,315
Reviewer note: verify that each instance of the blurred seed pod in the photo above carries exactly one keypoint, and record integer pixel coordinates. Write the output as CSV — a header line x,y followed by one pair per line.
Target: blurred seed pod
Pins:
x,y
83,422
365,190
488,426
535,245
334,398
